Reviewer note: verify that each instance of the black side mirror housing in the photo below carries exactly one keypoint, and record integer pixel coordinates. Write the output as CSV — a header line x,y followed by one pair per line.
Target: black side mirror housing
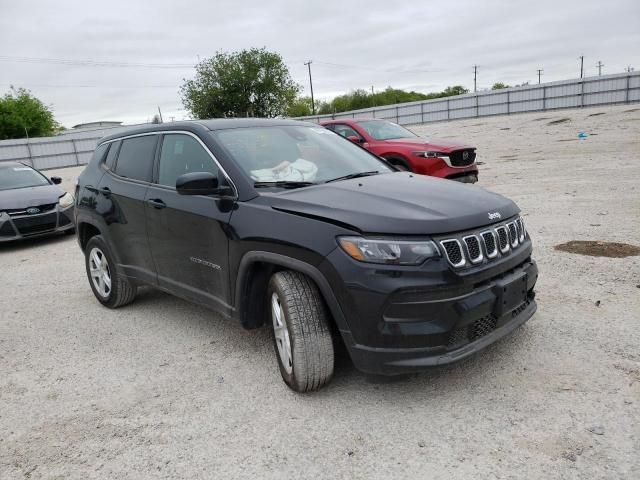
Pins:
x,y
56,180
201,183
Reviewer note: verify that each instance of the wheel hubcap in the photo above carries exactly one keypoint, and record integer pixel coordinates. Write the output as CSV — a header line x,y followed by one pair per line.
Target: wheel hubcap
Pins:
x,y
281,333
100,272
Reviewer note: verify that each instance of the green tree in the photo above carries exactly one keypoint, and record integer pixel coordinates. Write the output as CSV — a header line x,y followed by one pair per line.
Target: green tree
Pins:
x,y
300,107
248,83
23,115
499,86
455,90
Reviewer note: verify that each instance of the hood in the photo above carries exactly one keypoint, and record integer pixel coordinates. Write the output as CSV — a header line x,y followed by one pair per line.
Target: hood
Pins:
x,y
29,197
435,144
398,203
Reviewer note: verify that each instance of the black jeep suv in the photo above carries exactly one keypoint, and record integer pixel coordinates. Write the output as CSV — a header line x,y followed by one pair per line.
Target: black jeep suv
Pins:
x,y
286,223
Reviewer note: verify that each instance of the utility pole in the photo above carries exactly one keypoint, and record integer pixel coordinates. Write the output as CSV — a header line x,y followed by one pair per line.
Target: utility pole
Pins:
x,y
599,65
629,69
539,74
313,104
373,98
581,57
475,78
160,113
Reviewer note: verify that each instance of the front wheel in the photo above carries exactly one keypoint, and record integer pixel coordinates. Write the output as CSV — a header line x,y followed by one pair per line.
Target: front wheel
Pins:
x,y
301,333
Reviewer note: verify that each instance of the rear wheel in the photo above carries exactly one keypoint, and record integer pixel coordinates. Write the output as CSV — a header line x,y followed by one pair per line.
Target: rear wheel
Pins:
x,y
301,333
110,287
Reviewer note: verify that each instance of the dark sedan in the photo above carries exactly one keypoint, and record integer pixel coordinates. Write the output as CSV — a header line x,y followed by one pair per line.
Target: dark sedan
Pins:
x,y
31,204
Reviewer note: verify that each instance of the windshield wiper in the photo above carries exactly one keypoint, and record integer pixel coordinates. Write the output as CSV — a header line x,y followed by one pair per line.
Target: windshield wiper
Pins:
x,y
353,175
283,184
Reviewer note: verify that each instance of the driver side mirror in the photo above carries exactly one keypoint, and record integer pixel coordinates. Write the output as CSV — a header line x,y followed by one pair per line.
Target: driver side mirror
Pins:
x,y
56,180
201,183
354,139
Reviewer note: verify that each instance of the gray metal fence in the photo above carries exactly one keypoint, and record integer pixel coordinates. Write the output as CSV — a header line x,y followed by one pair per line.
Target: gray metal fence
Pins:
x,y
75,148
69,149
602,90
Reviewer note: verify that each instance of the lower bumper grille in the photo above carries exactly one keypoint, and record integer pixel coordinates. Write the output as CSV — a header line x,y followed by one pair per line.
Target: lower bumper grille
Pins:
x,y
35,225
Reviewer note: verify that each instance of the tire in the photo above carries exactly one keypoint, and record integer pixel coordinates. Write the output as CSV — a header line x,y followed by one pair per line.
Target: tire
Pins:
x,y
121,291
303,321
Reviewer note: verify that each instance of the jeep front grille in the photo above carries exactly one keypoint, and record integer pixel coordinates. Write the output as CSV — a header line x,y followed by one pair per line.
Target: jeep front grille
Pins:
x,y
503,239
454,252
513,234
490,245
476,248
473,248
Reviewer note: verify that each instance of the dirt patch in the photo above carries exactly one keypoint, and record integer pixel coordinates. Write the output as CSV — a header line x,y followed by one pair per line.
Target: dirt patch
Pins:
x,y
560,120
632,110
509,157
567,140
595,114
599,249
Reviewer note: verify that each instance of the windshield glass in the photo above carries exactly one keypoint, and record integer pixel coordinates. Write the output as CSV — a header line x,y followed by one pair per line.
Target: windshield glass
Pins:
x,y
20,177
296,154
383,130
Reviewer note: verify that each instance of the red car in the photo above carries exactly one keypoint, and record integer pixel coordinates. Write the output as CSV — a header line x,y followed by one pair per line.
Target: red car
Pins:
x,y
407,151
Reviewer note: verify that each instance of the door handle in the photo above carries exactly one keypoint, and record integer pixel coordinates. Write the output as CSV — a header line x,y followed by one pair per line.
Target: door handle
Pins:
x,y
106,191
156,203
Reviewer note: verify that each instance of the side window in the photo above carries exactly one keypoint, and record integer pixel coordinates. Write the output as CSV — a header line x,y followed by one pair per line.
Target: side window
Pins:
x,y
331,127
100,152
182,154
111,156
346,131
135,159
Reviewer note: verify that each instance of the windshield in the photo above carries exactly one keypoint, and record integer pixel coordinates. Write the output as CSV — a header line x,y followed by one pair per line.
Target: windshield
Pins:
x,y
383,130
297,154
20,177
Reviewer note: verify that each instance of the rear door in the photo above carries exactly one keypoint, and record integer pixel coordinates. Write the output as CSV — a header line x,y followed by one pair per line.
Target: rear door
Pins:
x,y
187,233
121,203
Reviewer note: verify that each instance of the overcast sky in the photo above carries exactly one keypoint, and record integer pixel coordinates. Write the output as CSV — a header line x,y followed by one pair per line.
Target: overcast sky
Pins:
x,y
54,48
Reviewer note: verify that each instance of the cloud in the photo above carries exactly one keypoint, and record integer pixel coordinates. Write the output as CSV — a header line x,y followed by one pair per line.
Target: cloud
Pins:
x,y
419,45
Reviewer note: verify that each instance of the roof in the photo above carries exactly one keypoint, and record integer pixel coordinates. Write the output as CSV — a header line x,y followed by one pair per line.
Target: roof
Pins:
x,y
351,120
208,125
12,164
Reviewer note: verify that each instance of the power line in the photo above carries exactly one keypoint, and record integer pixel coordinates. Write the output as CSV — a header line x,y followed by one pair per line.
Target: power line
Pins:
x,y
91,63
116,87
372,69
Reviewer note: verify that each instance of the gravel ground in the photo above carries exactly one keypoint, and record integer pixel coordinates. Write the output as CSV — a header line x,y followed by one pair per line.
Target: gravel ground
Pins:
x,y
165,389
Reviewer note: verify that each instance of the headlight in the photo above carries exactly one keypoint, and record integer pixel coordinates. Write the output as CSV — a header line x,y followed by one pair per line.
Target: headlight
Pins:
x,y
430,154
66,200
388,251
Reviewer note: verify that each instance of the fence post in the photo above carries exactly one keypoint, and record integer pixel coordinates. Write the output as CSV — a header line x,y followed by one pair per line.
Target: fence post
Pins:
x,y
422,112
582,93
397,115
626,92
508,102
477,108
448,110
544,98
75,151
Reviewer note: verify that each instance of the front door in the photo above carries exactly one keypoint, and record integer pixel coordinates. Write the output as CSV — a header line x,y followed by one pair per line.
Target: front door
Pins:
x,y
187,233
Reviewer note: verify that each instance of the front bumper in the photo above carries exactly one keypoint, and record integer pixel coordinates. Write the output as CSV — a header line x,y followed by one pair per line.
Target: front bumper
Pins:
x,y
18,227
402,321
